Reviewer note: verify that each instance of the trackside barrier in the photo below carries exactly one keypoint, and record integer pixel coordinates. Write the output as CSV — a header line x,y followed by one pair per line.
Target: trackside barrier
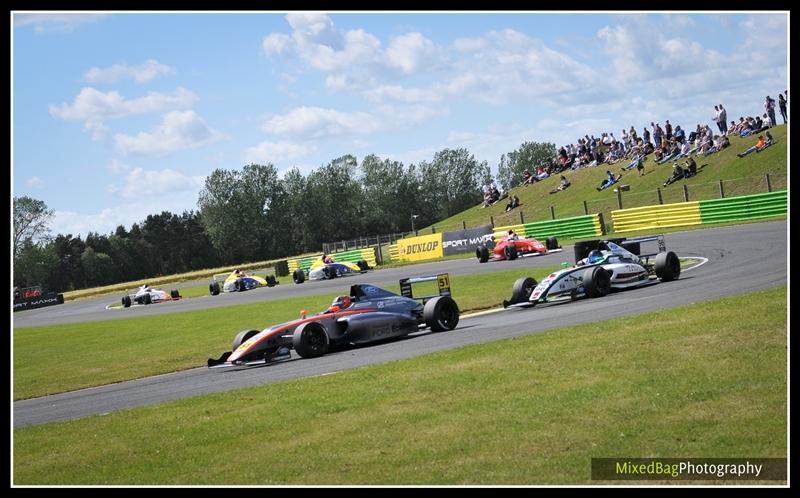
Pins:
x,y
354,256
659,216
745,207
394,252
577,227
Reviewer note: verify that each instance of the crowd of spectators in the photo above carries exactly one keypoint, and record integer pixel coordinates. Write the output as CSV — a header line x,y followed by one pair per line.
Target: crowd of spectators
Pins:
x,y
666,143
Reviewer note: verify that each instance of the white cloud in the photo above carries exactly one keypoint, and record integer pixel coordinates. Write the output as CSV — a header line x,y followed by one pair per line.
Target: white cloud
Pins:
x,y
318,122
55,23
270,152
141,183
141,73
410,52
178,130
94,107
405,95
35,182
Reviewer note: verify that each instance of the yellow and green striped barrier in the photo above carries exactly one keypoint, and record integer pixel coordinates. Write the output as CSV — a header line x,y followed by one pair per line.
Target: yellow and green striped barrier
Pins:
x,y
745,207
572,228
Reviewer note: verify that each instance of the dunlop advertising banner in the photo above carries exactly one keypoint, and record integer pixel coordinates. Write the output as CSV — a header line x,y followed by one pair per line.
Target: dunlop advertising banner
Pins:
x,y
462,241
420,248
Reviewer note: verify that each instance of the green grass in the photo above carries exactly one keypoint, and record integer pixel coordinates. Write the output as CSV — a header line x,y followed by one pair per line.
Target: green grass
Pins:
x,y
740,176
62,358
684,382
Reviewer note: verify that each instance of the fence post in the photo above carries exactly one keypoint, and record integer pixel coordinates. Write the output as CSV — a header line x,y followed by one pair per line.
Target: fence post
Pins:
x,y
660,199
521,217
721,190
463,224
619,198
491,220
685,193
769,184
552,213
585,207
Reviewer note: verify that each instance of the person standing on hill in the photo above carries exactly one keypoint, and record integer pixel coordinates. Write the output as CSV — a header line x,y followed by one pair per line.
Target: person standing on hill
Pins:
x,y
723,120
782,104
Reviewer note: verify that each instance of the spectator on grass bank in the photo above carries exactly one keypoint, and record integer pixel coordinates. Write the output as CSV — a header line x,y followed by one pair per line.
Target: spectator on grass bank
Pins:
x,y
513,202
769,106
723,120
782,104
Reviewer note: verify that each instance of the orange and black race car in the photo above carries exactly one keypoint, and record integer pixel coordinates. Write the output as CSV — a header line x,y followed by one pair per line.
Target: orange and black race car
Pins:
x,y
367,314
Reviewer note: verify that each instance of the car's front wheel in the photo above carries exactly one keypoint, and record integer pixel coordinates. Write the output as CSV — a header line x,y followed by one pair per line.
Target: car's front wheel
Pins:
x,y
310,340
668,266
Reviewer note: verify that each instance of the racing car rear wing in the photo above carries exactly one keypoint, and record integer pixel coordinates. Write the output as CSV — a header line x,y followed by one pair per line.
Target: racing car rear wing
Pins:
x,y
443,280
662,246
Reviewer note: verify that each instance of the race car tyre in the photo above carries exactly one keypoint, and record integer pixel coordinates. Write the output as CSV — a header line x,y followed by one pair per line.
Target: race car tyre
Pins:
x,y
174,294
668,266
363,265
126,301
271,281
60,299
241,338
238,285
310,340
596,281
552,243
522,289
298,276
510,251
329,272
441,313
147,299
213,288
482,253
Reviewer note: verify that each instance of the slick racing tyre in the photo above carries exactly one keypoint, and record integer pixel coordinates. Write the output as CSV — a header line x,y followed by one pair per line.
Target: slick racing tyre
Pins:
x,y
126,301
299,276
596,281
271,281
310,340
668,266
363,265
522,289
213,288
441,313
552,243
242,337
482,253
510,252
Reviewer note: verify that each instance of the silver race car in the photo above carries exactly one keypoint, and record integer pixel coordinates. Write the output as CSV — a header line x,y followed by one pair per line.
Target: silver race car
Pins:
x,y
607,267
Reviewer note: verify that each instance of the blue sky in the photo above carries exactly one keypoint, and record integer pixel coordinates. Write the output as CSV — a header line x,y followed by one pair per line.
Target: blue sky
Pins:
x,y
117,116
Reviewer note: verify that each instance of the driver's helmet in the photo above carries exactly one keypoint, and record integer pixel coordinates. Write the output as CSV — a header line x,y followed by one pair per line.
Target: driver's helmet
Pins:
x,y
594,256
341,303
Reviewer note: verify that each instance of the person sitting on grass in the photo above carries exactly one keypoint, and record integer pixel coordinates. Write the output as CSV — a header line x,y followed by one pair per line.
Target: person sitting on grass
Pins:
x,y
691,168
562,185
610,180
513,202
527,177
758,147
677,174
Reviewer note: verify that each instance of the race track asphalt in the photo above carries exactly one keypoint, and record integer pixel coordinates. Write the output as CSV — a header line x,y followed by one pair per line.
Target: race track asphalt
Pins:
x,y
741,258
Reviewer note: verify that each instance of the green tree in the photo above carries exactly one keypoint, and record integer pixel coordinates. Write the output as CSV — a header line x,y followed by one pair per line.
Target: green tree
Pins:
x,y
529,155
31,217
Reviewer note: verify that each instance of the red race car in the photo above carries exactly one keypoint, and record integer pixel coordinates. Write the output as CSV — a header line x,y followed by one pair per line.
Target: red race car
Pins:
x,y
514,247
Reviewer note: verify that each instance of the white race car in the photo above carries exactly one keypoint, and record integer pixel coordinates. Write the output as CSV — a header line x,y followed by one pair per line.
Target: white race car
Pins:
x,y
604,269
147,295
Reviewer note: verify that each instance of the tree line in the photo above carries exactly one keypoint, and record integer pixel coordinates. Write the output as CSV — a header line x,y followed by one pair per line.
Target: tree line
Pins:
x,y
252,214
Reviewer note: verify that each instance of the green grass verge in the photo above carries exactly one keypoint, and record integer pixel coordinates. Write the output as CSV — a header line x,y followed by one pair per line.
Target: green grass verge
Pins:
x,y
740,175
62,358
684,382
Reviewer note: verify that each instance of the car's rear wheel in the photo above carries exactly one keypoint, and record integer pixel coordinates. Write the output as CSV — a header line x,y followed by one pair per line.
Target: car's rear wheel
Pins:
x,y
482,253
213,288
271,281
441,313
329,272
552,243
522,289
147,298
363,265
242,337
126,301
310,340
668,266
596,281
298,276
